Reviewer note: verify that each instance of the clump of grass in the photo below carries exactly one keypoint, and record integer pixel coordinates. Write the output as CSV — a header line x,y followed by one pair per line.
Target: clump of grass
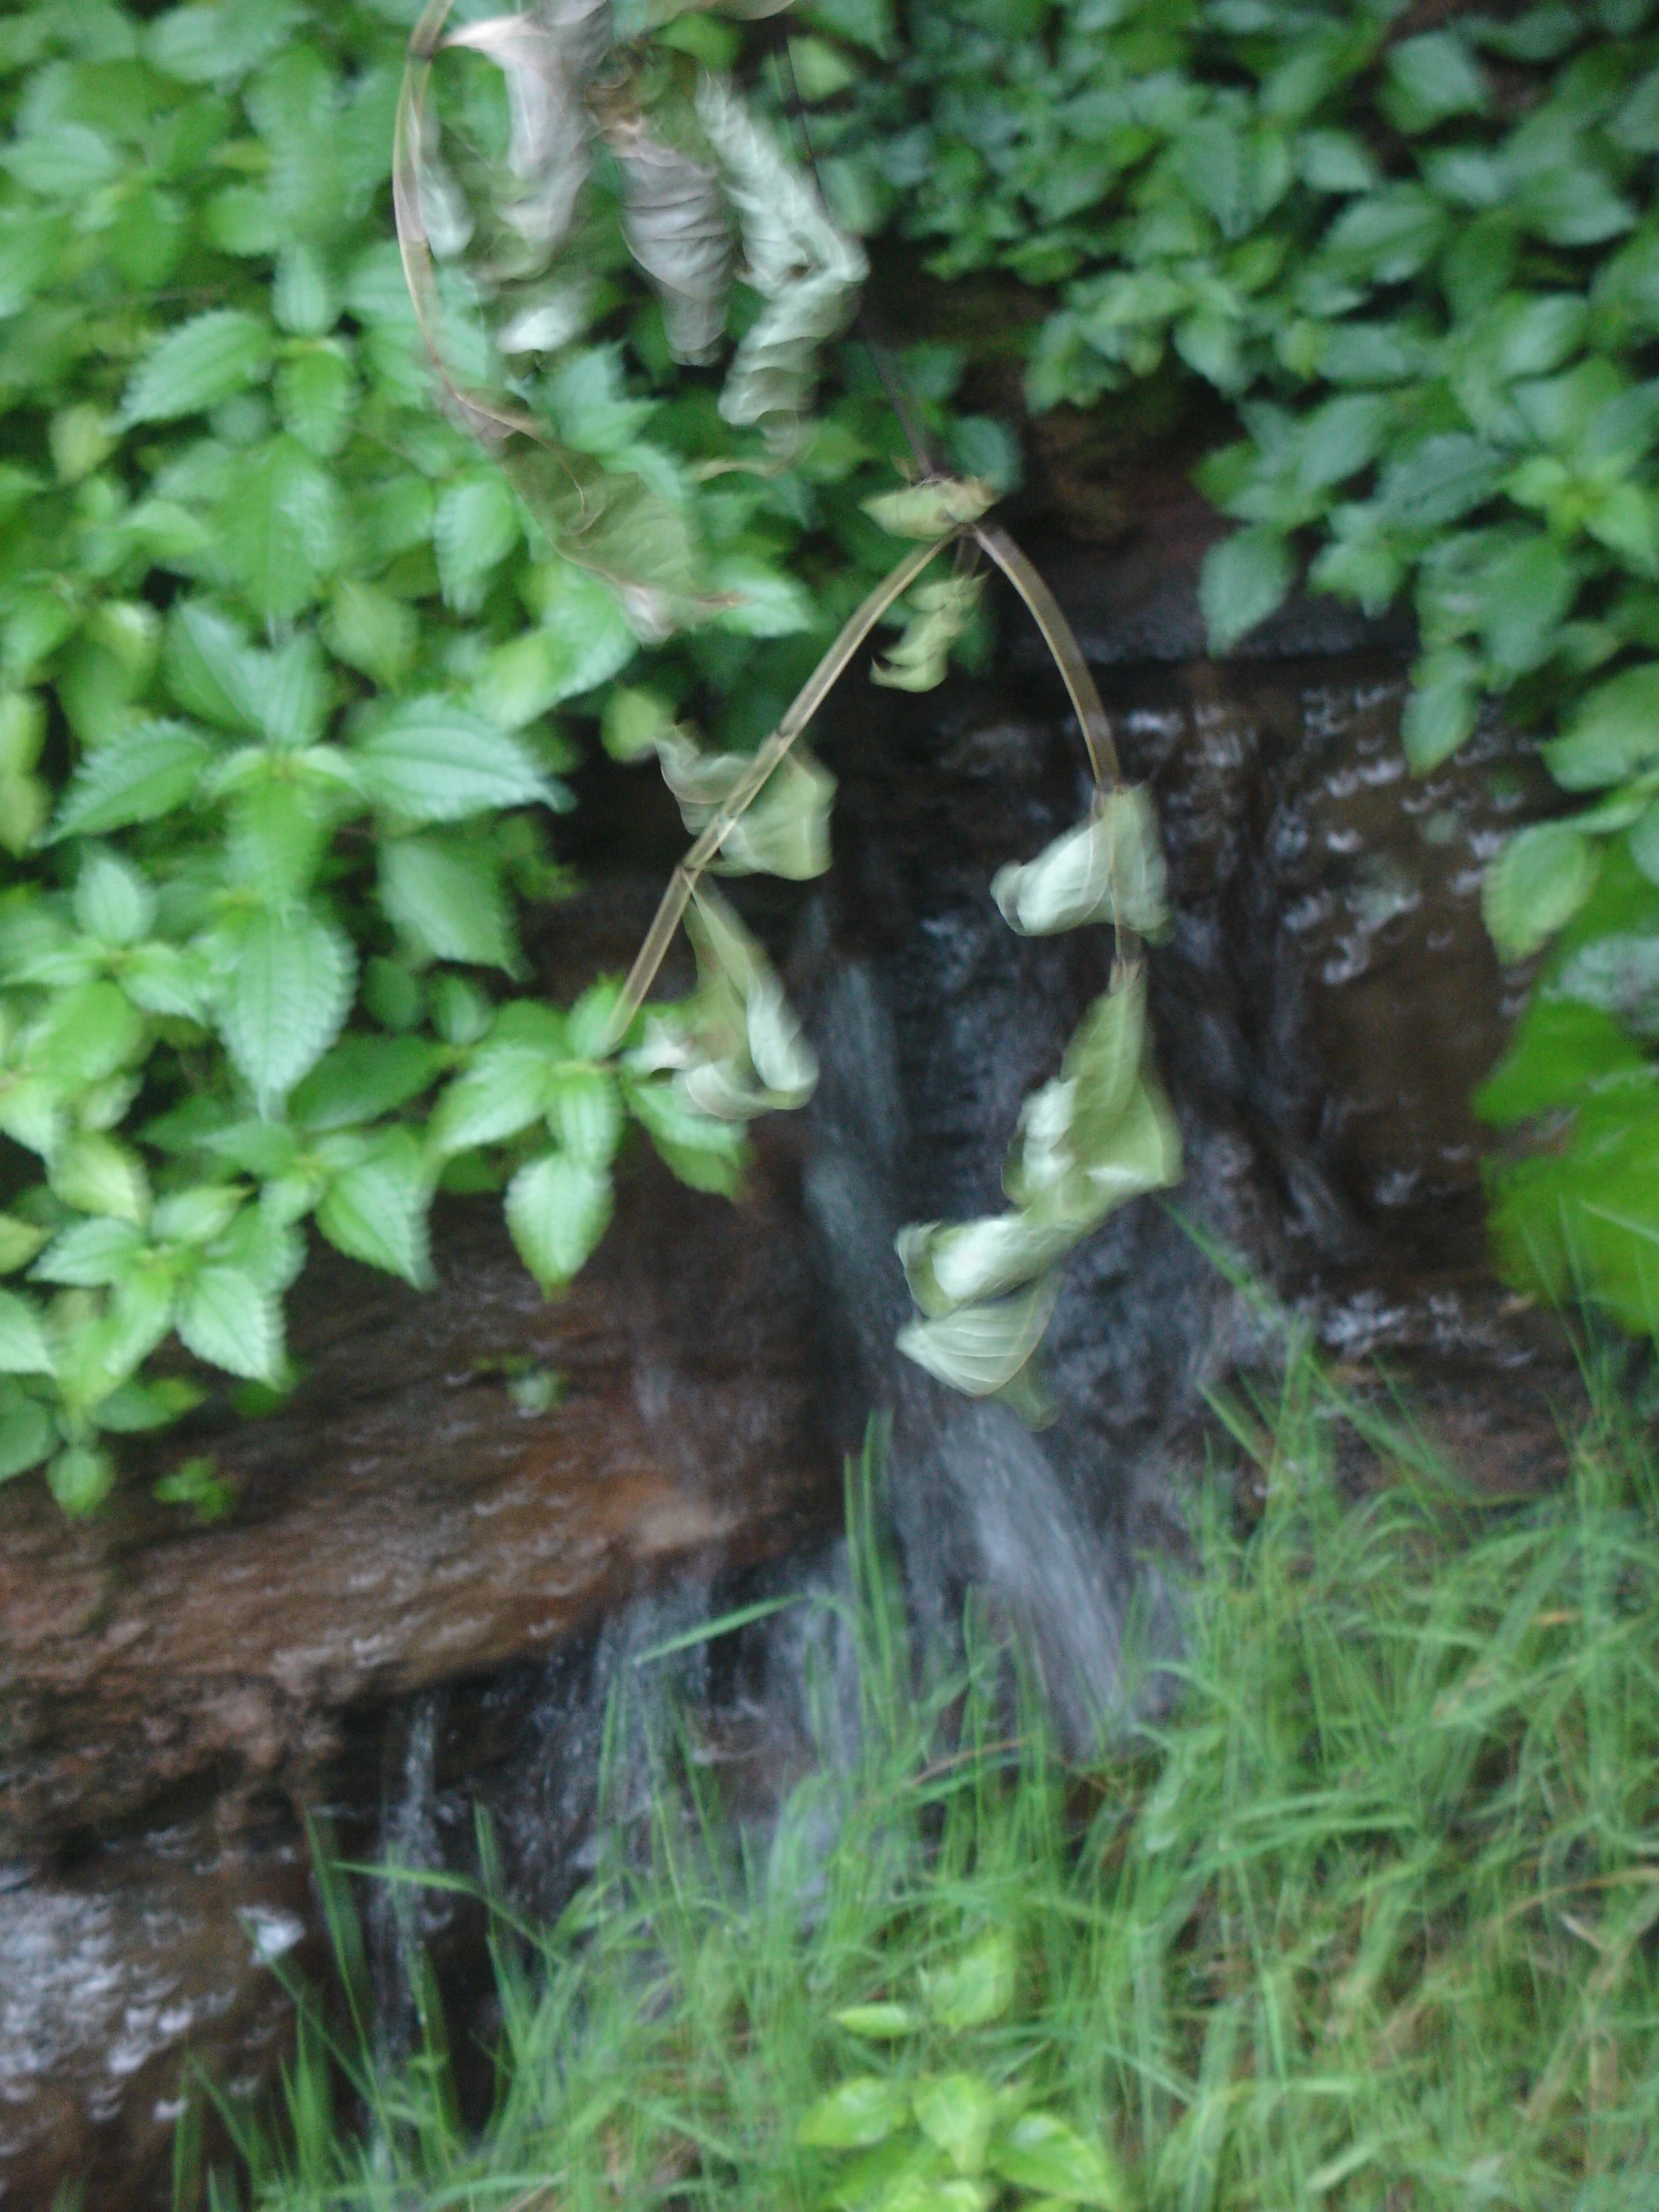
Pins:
x,y
1366,1922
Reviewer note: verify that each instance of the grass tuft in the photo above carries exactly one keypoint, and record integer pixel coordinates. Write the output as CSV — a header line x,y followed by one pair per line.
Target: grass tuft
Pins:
x,y
1366,1922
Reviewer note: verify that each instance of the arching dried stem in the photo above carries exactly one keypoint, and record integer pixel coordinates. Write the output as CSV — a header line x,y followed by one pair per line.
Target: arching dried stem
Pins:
x,y
743,794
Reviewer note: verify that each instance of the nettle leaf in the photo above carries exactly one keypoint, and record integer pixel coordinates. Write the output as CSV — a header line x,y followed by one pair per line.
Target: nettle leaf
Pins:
x,y
139,776
1042,2153
81,1478
23,1345
285,997
866,2109
96,1175
557,1211
1244,578
445,897
198,364
112,900
980,1350
19,1242
700,1149
209,667
475,528
83,1036
1536,885
431,760
1109,871
225,1318
1443,709
1614,735
363,1077
585,1114
27,1434
375,1210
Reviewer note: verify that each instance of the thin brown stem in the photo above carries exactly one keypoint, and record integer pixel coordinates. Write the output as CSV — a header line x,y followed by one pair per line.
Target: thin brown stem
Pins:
x,y
1058,636
748,786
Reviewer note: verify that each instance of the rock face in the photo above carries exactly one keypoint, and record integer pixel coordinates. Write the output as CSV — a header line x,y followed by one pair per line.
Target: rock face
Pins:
x,y
429,1582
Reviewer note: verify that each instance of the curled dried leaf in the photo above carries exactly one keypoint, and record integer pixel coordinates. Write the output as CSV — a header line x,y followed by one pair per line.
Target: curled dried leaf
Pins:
x,y
942,612
1109,869
933,507
804,269
980,1350
956,1263
785,831
547,59
678,228
734,1049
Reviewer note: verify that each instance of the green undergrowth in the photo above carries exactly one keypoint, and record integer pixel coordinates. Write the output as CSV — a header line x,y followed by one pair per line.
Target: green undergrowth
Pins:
x,y
1364,1921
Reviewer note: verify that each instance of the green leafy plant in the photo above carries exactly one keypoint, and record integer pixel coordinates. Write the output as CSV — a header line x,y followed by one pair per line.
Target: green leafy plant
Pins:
x,y
1420,265
289,672
952,2141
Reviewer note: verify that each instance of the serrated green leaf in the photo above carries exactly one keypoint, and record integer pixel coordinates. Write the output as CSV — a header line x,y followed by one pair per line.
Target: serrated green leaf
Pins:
x,y
19,1242
285,997
196,1216
83,1037
112,900
225,1318
474,527
88,1255
557,1211
363,1077
96,1175
1535,886
632,722
377,1210
315,394
585,1114
23,1345
282,530
445,897
854,2114
503,1092
370,631
196,364
1245,579
431,760
1614,735
137,777
27,1435
974,1990
81,1478
1443,707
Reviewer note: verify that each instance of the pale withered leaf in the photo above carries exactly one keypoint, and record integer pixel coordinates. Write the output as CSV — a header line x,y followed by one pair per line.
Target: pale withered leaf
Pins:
x,y
955,1263
546,58
1110,869
804,269
931,508
785,831
735,1047
941,613
979,1349
674,218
